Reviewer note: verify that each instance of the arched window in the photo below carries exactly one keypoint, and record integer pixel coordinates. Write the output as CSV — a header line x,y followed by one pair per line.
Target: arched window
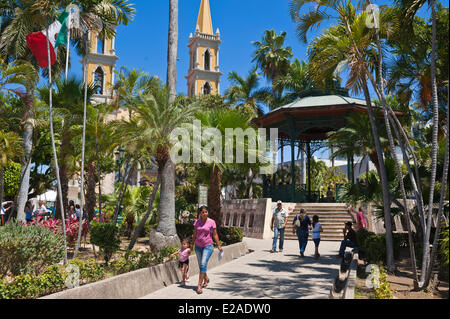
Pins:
x,y
99,79
100,45
207,89
207,60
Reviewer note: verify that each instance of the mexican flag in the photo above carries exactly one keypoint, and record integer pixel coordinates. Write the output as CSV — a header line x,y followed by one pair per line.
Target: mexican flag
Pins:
x,y
37,41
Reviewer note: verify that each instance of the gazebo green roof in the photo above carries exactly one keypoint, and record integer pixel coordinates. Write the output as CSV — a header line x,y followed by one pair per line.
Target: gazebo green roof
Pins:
x,y
311,117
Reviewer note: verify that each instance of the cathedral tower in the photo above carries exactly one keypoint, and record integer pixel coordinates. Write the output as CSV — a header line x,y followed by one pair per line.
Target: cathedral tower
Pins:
x,y
101,63
204,73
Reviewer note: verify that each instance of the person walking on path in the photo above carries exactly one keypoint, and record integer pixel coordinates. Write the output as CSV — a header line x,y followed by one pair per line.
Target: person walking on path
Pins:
x,y
302,224
316,230
183,260
349,239
205,230
278,225
361,221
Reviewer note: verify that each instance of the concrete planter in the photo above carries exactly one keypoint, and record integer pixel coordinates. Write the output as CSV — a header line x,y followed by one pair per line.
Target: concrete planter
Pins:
x,y
142,282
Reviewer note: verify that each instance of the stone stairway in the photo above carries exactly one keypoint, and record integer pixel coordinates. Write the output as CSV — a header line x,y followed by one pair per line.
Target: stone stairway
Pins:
x,y
332,216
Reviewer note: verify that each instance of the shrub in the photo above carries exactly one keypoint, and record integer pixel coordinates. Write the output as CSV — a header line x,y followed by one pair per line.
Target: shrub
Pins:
x,y
384,289
28,249
133,260
106,237
28,286
230,235
72,226
90,270
185,231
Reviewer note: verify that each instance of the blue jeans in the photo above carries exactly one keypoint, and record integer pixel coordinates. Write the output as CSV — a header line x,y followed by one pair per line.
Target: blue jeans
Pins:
x,y
302,236
203,255
345,244
277,231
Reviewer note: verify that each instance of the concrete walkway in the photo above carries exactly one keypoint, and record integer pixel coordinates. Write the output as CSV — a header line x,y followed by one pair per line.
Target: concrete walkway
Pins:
x,y
265,275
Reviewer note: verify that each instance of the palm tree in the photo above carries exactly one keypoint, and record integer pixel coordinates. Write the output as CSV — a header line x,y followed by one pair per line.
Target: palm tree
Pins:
x,y
221,120
356,138
22,73
272,58
68,98
130,84
244,92
410,9
148,130
11,147
347,44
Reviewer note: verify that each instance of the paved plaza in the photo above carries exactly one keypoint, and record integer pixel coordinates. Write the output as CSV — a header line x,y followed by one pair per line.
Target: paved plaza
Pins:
x,y
265,275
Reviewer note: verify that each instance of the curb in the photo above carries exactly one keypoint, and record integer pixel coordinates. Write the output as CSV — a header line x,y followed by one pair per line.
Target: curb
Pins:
x,y
344,284
142,282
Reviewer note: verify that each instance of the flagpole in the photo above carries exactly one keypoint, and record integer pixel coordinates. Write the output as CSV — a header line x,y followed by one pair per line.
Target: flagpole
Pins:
x,y
68,43
52,135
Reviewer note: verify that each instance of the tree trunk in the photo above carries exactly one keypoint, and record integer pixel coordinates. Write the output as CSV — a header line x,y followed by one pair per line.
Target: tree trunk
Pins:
x,y
123,189
65,144
441,207
24,186
172,52
384,182
394,156
214,196
166,232
434,148
90,196
141,225
1,185
99,176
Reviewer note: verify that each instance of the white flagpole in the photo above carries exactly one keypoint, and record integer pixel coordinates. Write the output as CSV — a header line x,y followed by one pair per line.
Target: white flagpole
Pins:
x,y
68,42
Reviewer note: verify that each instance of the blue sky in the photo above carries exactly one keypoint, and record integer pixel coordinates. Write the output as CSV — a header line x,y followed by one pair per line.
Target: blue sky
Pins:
x,y
143,43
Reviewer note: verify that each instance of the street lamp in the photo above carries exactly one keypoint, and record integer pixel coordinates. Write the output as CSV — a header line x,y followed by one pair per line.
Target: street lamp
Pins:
x,y
120,156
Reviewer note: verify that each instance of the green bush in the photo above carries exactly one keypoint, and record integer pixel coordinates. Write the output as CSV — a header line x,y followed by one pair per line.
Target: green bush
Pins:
x,y
90,270
27,286
230,235
133,260
185,231
106,237
28,249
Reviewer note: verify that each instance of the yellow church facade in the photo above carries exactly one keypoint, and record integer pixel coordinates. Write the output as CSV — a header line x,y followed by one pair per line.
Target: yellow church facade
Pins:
x,y
204,52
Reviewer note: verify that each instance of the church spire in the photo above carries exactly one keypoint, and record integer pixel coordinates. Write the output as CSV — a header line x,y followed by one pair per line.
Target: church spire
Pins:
x,y
204,21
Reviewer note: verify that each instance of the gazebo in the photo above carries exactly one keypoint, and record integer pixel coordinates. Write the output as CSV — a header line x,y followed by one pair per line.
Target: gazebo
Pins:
x,y
306,122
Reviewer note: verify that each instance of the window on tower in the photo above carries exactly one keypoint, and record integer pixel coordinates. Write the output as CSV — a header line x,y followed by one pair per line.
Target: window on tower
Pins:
x,y
207,60
207,89
99,79
101,45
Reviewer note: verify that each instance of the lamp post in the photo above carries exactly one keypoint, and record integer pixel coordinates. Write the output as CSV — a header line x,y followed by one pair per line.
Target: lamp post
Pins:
x,y
120,156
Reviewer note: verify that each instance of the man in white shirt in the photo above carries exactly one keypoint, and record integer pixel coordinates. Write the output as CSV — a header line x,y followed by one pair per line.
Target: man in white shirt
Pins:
x,y
278,225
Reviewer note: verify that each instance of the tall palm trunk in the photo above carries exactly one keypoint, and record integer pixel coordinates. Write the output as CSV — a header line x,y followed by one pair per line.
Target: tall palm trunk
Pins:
x,y
24,186
172,52
441,206
166,232
90,196
214,195
55,156
1,185
83,144
63,175
434,148
394,155
384,182
99,177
